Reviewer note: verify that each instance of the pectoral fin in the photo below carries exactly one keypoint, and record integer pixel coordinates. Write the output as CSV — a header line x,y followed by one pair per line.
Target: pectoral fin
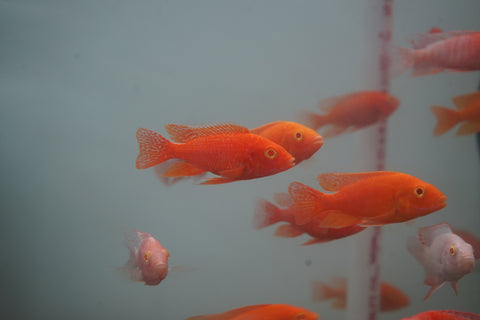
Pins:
x,y
338,219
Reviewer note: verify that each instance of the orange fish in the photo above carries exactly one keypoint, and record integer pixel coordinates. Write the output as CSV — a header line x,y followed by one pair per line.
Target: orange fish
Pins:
x,y
266,214
227,150
435,52
468,112
300,141
352,111
444,315
367,198
263,312
148,260
391,298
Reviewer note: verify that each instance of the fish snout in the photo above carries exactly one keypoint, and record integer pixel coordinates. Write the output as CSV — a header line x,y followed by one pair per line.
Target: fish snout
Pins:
x,y
467,263
318,141
442,202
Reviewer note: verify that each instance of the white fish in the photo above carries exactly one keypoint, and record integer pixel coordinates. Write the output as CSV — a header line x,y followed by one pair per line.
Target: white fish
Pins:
x,y
444,255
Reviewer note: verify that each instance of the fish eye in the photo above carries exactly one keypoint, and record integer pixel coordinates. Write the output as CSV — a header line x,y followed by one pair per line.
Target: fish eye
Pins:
x,y
270,153
298,136
452,250
419,191
147,256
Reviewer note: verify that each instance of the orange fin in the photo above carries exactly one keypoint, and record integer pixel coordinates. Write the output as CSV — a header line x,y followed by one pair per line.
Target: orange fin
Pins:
x,y
288,231
183,133
260,129
446,119
307,202
232,173
338,219
468,127
182,169
153,149
334,181
266,214
463,101
283,199
321,291
313,120
314,241
217,180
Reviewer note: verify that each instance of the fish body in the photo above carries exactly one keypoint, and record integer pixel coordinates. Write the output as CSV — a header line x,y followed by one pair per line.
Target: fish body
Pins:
x,y
445,256
262,312
435,52
444,315
148,261
300,141
230,151
468,112
352,111
267,213
367,198
391,298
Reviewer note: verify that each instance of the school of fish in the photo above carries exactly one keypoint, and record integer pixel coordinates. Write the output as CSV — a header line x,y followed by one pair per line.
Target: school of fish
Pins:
x,y
350,202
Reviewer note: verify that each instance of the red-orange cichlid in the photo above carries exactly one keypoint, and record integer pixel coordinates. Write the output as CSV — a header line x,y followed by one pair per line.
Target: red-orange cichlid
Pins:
x,y
366,198
266,214
444,315
468,111
435,52
148,260
262,312
227,150
391,298
352,111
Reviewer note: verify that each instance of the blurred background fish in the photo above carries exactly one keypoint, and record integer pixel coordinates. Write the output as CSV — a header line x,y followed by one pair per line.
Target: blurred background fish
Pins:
x,y
351,112
391,297
445,256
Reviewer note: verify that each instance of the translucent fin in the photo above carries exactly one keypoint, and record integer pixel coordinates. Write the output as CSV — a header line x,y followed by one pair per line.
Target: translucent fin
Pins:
x,y
184,133
283,199
288,231
266,214
314,241
321,291
468,127
153,149
422,40
334,181
308,202
426,235
432,290
232,173
446,119
337,219
216,180
463,101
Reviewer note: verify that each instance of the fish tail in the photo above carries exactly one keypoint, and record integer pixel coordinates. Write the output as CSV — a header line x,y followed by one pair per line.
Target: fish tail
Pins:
x,y
314,121
322,291
446,119
308,202
154,149
266,214
402,60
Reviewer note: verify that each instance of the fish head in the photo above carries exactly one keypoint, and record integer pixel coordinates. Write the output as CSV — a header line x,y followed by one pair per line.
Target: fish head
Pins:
x,y
268,159
458,257
417,198
301,141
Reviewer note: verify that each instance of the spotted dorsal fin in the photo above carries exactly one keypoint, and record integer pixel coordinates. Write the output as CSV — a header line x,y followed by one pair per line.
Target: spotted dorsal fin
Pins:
x,y
183,133
426,235
334,181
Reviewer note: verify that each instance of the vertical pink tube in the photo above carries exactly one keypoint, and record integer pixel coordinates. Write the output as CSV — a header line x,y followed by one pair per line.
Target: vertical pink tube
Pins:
x,y
364,276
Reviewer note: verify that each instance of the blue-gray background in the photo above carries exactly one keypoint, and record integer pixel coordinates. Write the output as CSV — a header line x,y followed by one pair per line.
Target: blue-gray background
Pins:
x,y
77,78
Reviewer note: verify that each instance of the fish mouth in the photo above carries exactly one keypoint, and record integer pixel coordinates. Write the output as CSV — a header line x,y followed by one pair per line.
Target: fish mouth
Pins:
x,y
291,163
442,203
318,141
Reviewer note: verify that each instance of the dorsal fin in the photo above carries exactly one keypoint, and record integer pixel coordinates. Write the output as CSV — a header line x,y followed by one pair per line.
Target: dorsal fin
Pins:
x,y
423,40
183,133
266,126
426,235
334,181
283,199
463,101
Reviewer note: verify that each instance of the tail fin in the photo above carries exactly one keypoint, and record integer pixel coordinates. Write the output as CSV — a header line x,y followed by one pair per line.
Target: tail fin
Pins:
x,y
446,119
313,120
154,149
402,60
266,214
322,291
307,202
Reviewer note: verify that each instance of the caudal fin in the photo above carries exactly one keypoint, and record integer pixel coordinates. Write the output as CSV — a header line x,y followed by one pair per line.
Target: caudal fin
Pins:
x,y
402,60
153,149
313,120
321,291
446,119
266,214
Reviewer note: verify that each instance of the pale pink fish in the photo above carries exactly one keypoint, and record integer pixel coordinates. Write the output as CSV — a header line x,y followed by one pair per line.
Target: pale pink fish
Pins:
x,y
148,261
445,256
434,52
